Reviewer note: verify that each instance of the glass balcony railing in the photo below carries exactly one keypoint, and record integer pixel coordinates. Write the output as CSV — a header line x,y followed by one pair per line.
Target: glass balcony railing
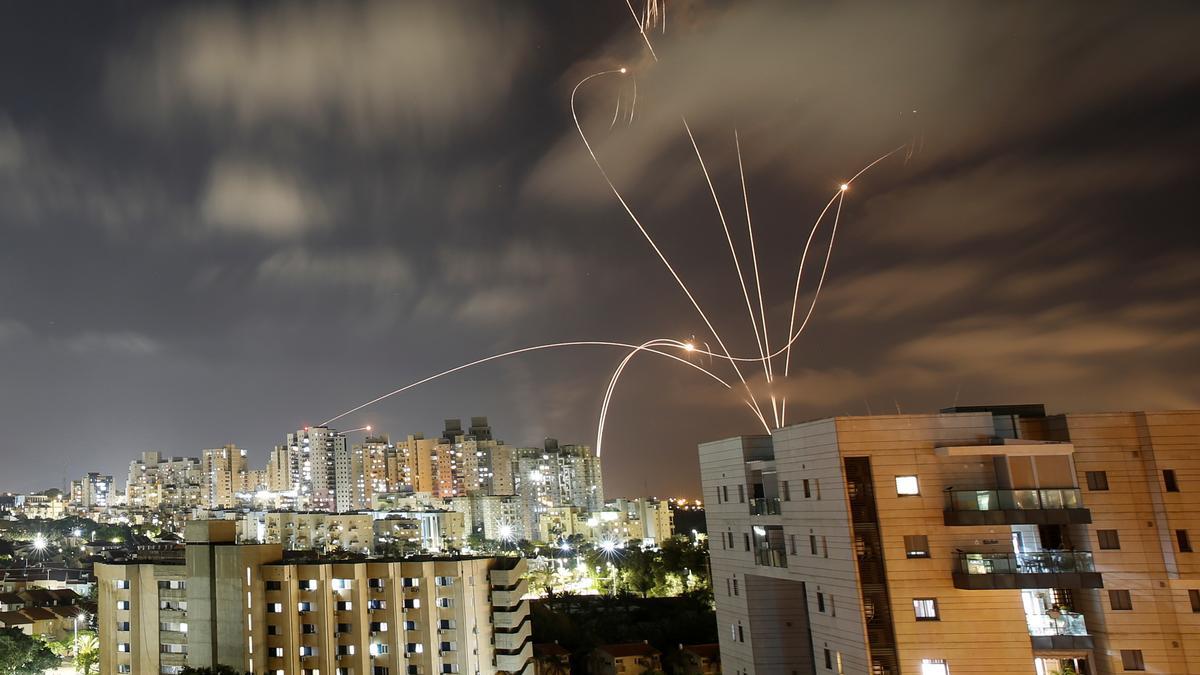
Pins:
x,y
1004,500
1039,562
770,557
767,506
1066,623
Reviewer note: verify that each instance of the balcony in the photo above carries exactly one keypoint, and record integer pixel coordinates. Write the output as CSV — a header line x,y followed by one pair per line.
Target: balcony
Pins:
x,y
515,662
1040,569
510,597
513,641
764,506
1058,631
1059,506
770,557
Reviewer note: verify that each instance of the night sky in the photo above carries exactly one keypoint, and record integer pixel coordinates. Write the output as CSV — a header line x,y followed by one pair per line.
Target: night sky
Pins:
x,y
223,221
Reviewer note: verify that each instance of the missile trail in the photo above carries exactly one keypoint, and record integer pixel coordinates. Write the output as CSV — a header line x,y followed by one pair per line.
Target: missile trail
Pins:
x,y
513,352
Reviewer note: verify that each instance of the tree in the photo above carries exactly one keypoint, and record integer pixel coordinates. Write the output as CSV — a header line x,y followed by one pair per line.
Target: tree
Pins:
x,y
24,655
87,654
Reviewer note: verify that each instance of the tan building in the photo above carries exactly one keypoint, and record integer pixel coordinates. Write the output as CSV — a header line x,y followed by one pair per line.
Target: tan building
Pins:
x,y
632,658
978,540
223,476
243,606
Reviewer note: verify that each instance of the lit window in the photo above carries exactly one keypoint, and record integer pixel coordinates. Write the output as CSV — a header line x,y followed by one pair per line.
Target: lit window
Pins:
x,y
907,486
934,667
926,609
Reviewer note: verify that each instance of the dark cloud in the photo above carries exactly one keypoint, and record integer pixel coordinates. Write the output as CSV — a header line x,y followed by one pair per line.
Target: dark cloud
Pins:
x,y
367,70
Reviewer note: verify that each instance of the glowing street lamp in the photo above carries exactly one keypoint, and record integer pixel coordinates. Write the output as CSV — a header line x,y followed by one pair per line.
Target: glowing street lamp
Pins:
x,y
39,542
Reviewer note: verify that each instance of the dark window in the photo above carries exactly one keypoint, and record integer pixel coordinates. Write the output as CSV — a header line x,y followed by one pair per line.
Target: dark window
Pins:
x,y
1169,480
725,492
272,629
1120,601
1131,659
812,543
820,602
274,586
1097,480
746,540
916,545
308,629
1109,541
343,628
735,586
1194,597
728,587
926,609
807,489
828,660
1185,544
787,492
742,636
741,494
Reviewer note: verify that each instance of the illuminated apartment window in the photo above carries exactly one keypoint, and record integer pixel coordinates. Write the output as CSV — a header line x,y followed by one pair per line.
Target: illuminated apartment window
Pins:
x,y
122,604
1131,659
1097,481
341,584
274,607
926,609
934,667
378,626
121,584
907,486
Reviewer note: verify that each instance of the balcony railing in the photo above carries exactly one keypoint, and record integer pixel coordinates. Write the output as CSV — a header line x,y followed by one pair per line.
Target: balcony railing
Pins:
x,y
770,557
764,506
1067,623
1007,500
1039,562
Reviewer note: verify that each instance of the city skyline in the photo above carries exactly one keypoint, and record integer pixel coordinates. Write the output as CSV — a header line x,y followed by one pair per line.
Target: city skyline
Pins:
x,y
256,241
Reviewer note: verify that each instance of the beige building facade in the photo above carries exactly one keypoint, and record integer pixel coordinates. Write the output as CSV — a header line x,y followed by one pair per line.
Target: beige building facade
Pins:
x,y
978,540
246,607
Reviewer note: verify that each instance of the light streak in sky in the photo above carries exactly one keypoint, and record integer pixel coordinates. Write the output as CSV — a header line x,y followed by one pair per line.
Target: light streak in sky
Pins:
x,y
732,251
513,352
650,240
654,14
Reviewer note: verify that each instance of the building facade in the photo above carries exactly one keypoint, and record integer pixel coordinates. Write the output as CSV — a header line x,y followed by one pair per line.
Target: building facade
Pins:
x,y
242,606
978,540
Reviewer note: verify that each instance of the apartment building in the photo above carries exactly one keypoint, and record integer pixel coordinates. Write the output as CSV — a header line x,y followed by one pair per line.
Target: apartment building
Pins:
x,y
246,606
978,540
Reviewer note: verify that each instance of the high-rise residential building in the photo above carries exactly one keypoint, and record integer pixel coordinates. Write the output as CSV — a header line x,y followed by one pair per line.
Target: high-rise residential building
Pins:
x,y
411,468
246,607
471,460
372,470
223,476
307,466
93,492
155,481
981,539
555,476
